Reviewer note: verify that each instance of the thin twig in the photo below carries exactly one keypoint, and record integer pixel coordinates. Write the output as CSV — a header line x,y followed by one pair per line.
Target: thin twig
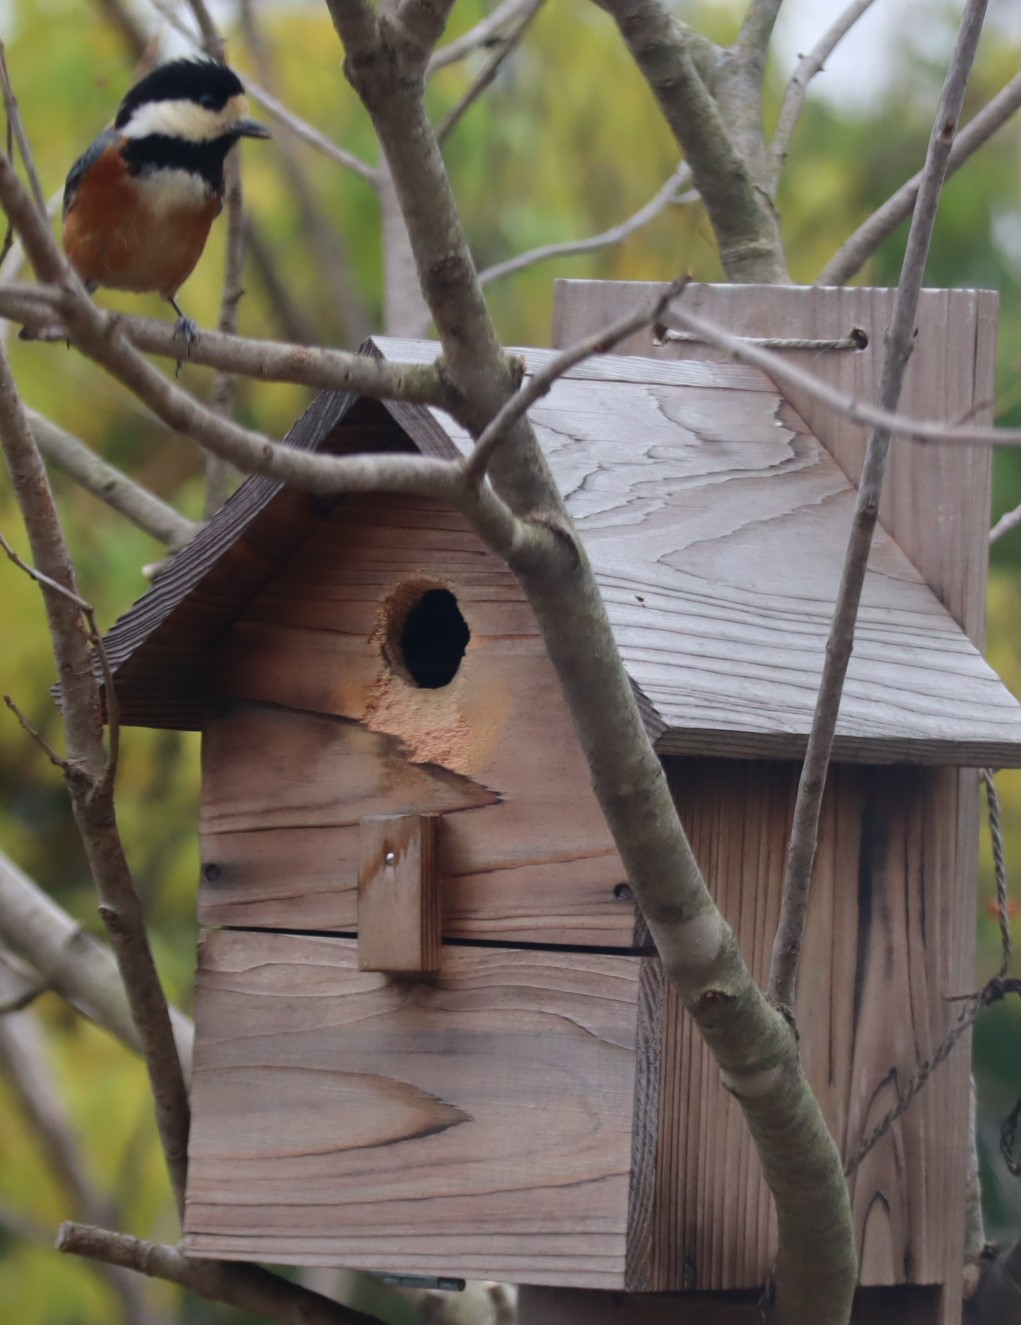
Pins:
x,y
14,121
309,134
222,396
1005,524
45,580
658,203
9,235
249,1287
807,67
489,71
540,383
897,208
484,33
783,976
29,728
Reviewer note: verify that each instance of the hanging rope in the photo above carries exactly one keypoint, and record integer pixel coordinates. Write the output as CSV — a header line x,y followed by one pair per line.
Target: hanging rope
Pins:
x,y
856,340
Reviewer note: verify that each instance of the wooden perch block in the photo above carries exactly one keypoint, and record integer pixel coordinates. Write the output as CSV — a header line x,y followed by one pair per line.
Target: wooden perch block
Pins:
x,y
398,895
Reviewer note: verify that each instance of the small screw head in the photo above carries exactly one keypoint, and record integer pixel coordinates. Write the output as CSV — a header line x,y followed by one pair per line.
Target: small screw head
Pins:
x,y
211,873
390,858
622,892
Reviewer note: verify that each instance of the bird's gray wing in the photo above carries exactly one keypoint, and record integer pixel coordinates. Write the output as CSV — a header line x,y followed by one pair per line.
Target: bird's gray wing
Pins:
x,y
78,170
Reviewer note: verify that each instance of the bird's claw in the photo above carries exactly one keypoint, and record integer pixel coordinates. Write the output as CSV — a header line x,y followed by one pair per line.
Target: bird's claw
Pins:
x,y
188,332
187,329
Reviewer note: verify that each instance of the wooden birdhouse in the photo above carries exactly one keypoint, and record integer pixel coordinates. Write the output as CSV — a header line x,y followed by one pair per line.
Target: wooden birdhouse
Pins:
x,y
431,1037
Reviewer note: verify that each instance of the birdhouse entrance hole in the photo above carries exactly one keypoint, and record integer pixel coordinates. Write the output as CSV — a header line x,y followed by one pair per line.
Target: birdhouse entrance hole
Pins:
x,y
429,642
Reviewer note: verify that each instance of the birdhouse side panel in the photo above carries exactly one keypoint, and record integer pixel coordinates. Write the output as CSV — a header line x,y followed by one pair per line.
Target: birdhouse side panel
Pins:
x,y
890,933
330,712
477,1126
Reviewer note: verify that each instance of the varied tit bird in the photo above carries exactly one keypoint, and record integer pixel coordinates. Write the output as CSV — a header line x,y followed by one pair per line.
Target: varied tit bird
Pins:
x,y
139,203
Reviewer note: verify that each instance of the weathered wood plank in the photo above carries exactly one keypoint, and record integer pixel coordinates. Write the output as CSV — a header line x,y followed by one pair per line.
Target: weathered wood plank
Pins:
x,y
398,895
885,911
478,1126
524,852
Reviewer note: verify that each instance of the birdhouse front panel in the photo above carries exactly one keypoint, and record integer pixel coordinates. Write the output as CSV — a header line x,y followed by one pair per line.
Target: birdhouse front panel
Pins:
x,y
392,666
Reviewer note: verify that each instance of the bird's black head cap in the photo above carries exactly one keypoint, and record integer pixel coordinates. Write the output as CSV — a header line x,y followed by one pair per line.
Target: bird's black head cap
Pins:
x,y
206,82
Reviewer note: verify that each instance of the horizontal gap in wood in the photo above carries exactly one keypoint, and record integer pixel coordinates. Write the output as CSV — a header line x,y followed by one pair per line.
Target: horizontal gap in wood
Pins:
x,y
506,945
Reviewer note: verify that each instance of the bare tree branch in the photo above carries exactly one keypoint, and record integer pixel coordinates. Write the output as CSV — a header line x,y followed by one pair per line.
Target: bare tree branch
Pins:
x,y
669,193
756,32
248,1287
491,29
807,67
898,207
111,485
783,977
89,784
71,961
741,213
417,26
46,309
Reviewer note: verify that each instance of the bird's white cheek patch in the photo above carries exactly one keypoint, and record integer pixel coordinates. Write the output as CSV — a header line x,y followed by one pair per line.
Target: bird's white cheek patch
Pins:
x,y
170,190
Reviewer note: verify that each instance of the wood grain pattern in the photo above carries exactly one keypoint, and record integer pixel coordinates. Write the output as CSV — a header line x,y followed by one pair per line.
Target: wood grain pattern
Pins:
x,y
478,1126
399,924
884,913
524,854
936,497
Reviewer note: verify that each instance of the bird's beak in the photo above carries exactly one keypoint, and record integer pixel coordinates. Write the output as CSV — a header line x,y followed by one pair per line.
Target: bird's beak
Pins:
x,y
251,129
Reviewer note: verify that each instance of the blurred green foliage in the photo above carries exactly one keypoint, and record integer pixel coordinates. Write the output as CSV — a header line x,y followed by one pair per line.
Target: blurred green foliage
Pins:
x,y
566,143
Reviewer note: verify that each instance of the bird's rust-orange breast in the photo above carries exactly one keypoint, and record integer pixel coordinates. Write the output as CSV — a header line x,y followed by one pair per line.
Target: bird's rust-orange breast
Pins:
x,y
115,234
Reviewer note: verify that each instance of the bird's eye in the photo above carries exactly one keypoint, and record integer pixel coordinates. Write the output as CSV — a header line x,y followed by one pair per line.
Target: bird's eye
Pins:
x,y
207,101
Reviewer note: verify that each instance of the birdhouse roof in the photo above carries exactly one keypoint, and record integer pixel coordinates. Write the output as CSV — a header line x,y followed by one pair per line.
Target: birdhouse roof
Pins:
x,y
716,525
